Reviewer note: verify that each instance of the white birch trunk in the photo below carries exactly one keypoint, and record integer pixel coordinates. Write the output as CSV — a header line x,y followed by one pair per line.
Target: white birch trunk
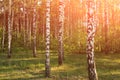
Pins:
x,y
91,28
9,30
47,61
60,33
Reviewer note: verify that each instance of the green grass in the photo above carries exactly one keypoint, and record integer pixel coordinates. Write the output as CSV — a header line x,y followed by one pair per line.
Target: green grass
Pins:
x,y
22,66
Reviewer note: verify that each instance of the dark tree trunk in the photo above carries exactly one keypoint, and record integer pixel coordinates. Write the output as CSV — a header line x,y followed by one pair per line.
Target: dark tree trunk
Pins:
x,y
24,23
106,49
34,30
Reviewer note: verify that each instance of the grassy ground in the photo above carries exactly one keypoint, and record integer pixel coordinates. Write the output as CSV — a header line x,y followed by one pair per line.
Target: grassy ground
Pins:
x,y
23,66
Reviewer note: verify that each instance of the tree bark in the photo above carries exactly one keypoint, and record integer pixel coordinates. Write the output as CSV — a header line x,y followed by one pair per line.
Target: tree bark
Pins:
x,y
34,30
9,30
60,33
47,61
24,23
3,29
106,49
91,28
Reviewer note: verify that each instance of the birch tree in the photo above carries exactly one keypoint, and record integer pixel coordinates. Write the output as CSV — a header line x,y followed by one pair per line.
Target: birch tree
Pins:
x,y
9,29
60,34
4,25
47,61
34,29
106,26
91,28
24,21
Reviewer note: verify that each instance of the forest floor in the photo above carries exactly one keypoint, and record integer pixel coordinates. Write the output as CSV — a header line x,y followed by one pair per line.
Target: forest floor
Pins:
x,y
22,66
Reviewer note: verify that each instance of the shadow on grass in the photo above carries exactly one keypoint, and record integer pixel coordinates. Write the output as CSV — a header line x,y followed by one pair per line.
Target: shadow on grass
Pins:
x,y
24,67
109,77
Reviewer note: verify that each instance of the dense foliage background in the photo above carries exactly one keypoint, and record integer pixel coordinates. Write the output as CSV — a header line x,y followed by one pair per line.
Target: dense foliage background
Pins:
x,y
75,24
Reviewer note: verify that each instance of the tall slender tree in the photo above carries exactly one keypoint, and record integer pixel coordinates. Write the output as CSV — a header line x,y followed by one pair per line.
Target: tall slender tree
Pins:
x,y
9,29
24,21
106,26
60,33
91,28
3,29
47,61
34,29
